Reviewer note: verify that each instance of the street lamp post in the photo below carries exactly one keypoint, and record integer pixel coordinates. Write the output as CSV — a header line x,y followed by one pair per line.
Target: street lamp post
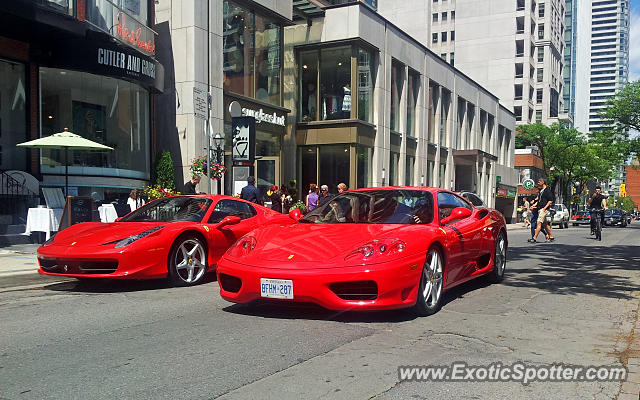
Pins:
x,y
218,142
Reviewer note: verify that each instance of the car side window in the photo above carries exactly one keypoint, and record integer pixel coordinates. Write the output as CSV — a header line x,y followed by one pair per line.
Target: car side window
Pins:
x,y
447,202
473,199
225,208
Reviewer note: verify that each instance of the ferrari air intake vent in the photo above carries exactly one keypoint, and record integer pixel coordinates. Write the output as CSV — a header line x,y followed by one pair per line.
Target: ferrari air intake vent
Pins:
x,y
356,290
230,283
62,266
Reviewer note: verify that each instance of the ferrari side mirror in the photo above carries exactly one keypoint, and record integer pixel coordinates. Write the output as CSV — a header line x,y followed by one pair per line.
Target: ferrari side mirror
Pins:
x,y
456,214
229,220
295,214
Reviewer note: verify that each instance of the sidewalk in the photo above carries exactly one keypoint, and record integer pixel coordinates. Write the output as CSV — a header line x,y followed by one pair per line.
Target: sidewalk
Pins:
x,y
18,259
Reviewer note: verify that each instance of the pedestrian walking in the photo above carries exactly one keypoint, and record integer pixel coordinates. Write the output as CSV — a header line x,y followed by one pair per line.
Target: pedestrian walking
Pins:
x,y
545,201
525,213
287,200
135,199
534,217
250,192
312,197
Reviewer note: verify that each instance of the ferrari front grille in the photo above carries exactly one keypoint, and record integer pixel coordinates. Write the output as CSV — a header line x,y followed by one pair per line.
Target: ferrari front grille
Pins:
x,y
62,266
230,283
355,290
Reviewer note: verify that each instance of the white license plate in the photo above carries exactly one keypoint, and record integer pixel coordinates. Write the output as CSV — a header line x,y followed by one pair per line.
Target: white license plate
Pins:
x,y
276,288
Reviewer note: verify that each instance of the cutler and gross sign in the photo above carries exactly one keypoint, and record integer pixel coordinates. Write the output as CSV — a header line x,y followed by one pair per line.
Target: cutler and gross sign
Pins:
x,y
108,59
244,139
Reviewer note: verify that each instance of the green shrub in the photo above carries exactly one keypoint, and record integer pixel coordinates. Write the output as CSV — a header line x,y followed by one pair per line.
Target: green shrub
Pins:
x,y
164,171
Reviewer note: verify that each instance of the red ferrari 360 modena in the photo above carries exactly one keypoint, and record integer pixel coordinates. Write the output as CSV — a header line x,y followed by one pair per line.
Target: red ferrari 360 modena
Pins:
x,y
369,249
179,237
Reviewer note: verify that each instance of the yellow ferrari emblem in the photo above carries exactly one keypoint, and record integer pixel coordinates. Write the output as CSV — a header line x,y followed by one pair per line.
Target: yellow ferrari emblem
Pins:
x,y
73,243
206,228
290,257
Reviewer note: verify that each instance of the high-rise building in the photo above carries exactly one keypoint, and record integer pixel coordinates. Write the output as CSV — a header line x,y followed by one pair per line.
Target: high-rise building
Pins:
x,y
609,55
570,61
514,48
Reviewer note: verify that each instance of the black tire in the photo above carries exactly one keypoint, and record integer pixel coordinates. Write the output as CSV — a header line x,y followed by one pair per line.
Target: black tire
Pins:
x,y
574,224
566,225
187,263
499,259
430,303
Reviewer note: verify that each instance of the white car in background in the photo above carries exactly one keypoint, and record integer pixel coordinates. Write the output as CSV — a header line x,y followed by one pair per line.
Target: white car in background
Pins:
x,y
561,216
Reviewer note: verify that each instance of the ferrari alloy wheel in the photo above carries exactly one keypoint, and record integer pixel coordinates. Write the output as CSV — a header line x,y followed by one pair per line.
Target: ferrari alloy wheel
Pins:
x,y
430,289
499,259
187,261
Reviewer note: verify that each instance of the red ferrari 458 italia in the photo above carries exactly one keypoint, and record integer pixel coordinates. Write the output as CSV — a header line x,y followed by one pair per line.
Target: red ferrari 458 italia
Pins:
x,y
179,237
369,249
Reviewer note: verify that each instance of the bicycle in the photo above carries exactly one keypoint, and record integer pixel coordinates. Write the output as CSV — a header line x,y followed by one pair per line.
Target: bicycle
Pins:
x,y
597,229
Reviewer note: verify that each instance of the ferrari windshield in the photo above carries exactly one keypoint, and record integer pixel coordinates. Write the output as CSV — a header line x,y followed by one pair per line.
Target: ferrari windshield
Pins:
x,y
170,209
375,207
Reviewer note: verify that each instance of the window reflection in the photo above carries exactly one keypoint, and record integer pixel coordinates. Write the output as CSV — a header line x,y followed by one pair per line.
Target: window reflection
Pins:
x,y
335,83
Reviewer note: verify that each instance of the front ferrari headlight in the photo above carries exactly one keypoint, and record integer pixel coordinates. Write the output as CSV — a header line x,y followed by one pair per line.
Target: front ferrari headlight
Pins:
x,y
133,238
243,246
377,248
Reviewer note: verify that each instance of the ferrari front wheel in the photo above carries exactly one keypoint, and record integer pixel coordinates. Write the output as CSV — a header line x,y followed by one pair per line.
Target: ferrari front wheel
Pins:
x,y
187,262
430,289
499,259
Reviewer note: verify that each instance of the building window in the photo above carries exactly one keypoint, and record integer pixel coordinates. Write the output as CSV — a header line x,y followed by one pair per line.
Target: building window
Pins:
x,y
539,96
397,80
443,56
365,85
451,60
540,54
453,15
13,115
444,115
331,67
538,115
394,160
541,31
409,169
433,104
444,16
518,92
413,82
363,167
113,112
435,17
252,54
540,75
443,36
453,35
541,10
434,37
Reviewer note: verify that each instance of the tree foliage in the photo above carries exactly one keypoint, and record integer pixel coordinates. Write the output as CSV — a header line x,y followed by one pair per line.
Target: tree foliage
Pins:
x,y
623,114
568,156
164,171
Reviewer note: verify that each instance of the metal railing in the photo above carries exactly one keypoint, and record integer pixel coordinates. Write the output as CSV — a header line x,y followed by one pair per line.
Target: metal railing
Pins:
x,y
15,198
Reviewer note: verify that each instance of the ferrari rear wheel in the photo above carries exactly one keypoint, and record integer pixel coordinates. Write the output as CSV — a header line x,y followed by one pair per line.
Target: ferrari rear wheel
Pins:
x,y
187,262
499,259
430,288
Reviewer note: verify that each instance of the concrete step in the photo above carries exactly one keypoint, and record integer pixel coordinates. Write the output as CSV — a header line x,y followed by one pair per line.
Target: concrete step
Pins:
x,y
17,239
8,229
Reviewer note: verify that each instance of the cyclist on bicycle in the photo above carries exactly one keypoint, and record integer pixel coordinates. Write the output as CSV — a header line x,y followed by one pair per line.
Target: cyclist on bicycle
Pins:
x,y
598,204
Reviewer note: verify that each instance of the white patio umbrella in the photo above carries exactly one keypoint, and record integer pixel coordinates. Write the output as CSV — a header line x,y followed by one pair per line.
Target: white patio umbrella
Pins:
x,y
64,140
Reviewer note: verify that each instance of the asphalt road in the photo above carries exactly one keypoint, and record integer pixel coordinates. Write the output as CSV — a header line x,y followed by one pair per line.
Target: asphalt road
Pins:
x,y
575,301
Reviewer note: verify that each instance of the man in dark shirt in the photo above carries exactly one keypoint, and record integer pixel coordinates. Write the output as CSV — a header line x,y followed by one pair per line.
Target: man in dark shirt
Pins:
x,y
599,203
544,204
190,186
250,192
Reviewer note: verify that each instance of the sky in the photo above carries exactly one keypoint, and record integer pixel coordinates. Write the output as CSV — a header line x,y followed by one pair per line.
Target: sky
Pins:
x,y
634,41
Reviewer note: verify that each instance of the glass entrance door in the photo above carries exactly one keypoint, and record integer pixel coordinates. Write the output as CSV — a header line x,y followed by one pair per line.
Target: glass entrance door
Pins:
x,y
267,173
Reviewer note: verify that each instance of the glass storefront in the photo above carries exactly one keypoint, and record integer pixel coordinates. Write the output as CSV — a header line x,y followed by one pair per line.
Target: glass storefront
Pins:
x,y
394,160
325,165
103,109
413,83
252,54
364,167
13,115
330,70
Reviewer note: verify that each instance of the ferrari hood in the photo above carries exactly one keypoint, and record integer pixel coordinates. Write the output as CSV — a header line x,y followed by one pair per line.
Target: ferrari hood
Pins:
x,y
96,233
313,243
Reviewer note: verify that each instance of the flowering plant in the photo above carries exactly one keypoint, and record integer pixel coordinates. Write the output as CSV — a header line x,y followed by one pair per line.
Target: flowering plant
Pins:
x,y
199,167
300,206
157,192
